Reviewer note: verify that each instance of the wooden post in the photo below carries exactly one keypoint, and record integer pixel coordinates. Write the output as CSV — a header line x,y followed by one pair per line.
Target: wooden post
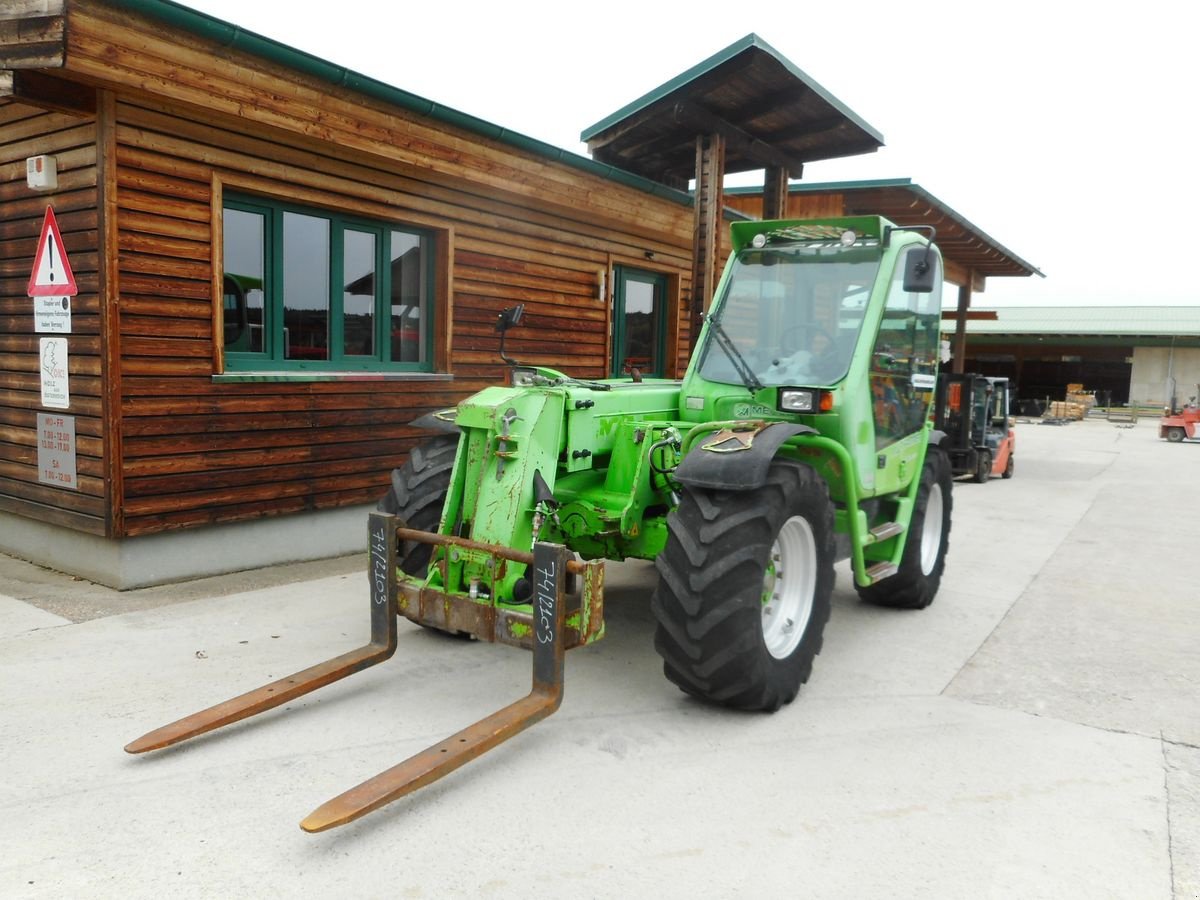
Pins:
x,y
960,325
706,246
775,193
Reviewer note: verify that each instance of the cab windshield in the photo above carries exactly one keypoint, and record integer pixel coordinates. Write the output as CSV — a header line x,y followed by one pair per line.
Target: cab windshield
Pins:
x,y
792,312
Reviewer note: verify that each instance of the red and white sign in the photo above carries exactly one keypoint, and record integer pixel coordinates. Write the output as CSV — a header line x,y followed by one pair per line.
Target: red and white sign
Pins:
x,y
52,283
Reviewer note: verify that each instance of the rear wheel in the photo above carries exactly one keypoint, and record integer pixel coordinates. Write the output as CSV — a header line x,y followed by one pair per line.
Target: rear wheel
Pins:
x,y
1175,434
744,589
1008,466
916,583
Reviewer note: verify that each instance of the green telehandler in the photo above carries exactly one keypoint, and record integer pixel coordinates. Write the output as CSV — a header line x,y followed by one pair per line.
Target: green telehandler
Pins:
x,y
800,435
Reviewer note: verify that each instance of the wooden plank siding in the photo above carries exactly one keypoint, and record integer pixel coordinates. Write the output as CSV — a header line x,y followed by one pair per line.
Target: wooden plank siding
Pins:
x,y
184,123
26,131
195,451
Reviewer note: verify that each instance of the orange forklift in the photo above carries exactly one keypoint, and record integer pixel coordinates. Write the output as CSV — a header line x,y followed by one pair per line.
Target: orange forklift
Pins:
x,y
1181,424
973,412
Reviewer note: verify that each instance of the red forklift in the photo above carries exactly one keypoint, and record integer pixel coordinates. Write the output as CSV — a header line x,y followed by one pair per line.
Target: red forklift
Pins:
x,y
973,412
1181,424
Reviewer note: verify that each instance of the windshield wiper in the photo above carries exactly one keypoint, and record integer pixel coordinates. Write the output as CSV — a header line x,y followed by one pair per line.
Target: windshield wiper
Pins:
x,y
749,379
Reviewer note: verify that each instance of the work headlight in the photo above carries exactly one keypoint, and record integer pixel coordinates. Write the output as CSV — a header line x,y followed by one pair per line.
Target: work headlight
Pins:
x,y
797,401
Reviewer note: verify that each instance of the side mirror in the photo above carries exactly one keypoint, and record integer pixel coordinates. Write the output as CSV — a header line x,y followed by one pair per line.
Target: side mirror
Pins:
x,y
510,317
920,270
506,320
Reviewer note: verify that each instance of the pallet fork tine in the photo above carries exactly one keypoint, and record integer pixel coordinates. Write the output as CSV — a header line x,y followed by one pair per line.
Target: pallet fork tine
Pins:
x,y
544,697
550,566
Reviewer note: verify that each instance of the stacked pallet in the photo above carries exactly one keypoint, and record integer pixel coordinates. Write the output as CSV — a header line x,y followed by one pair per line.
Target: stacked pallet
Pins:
x,y
1065,409
1077,405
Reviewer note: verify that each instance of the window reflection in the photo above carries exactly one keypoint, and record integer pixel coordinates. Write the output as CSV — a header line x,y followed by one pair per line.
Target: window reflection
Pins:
x,y
305,287
408,288
358,298
245,234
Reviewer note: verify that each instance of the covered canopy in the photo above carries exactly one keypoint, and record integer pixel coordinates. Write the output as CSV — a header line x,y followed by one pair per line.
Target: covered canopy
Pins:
x,y
771,115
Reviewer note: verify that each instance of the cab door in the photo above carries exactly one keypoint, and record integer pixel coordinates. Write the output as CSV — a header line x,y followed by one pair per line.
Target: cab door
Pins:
x,y
903,373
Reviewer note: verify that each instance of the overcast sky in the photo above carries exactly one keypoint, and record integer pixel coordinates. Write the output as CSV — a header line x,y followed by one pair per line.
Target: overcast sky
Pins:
x,y
1066,132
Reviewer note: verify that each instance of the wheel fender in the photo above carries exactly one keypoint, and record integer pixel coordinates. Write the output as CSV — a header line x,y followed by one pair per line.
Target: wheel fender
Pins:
x,y
439,420
736,468
937,438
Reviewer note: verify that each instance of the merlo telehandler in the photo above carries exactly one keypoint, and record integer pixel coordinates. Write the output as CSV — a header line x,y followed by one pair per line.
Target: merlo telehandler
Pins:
x,y
799,435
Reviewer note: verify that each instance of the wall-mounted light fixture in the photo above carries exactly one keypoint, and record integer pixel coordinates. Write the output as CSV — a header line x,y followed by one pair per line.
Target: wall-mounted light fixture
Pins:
x,y
41,173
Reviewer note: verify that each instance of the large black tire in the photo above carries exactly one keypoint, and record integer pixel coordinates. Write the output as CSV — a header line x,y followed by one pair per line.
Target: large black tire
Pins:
x,y
744,588
417,495
1009,466
983,467
924,559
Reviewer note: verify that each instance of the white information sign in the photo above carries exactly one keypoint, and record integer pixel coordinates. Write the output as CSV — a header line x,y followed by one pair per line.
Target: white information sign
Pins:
x,y
56,392
52,315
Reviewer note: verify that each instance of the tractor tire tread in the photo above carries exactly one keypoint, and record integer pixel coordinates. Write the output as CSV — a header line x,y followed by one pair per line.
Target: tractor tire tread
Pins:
x,y
708,601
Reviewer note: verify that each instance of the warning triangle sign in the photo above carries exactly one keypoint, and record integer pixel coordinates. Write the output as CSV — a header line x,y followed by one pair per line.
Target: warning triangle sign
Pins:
x,y
52,275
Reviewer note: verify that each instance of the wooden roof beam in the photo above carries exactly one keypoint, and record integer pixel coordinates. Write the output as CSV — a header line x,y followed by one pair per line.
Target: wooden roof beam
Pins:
x,y
32,34
737,140
41,90
772,101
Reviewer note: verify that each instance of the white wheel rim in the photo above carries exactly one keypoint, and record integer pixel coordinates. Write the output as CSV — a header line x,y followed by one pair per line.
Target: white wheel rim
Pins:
x,y
931,529
788,587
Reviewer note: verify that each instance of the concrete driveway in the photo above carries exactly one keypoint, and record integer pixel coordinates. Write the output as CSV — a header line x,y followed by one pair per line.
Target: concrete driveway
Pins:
x,y
1034,733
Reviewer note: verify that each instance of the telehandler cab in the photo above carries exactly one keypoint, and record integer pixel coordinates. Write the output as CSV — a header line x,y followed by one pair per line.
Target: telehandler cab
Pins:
x,y
799,435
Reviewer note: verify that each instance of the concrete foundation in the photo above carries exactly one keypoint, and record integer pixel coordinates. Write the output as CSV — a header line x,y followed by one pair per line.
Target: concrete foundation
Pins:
x,y
181,555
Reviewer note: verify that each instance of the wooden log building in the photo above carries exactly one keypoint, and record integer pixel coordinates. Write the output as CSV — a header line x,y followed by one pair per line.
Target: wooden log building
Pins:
x,y
279,264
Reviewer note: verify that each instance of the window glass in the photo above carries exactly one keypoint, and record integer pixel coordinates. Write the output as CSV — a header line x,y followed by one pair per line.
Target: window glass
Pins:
x,y
358,295
408,293
245,238
312,289
305,287
904,359
792,314
640,333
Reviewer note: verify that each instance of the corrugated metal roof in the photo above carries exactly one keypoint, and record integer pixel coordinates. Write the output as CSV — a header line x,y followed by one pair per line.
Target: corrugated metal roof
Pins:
x,y
1089,320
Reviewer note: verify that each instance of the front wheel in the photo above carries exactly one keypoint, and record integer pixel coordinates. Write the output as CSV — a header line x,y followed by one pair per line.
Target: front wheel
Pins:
x,y
1175,434
983,467
744,589
916,583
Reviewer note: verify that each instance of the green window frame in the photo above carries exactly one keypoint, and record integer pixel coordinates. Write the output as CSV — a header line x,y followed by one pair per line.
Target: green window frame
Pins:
x,y
307,289
639,322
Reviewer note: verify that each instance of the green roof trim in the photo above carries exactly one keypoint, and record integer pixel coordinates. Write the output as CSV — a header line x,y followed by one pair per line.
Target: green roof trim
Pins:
x,y
233,36
722,56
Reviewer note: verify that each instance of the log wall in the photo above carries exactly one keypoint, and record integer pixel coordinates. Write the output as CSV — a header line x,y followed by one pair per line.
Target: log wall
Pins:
x,y
185,122
28,131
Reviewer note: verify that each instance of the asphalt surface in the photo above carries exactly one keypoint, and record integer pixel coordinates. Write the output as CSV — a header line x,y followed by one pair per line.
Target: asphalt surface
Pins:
x,y
1034,733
